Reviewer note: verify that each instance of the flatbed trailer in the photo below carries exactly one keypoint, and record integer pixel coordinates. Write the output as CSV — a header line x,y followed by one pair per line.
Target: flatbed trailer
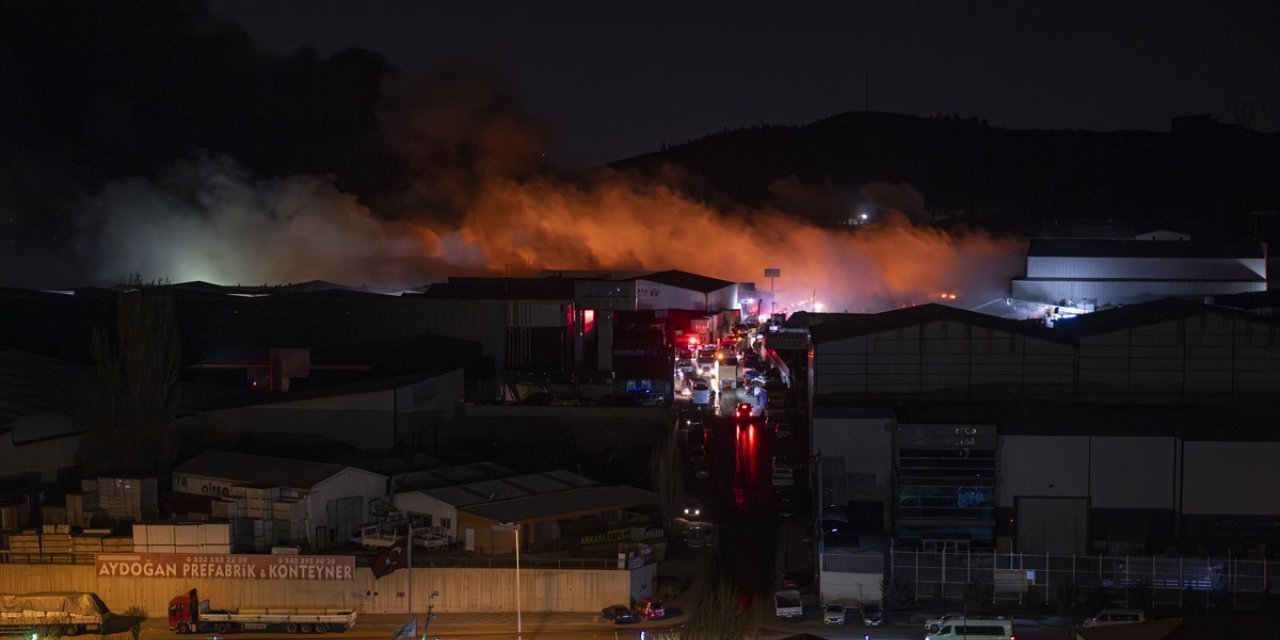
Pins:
x,y
189,614
52,613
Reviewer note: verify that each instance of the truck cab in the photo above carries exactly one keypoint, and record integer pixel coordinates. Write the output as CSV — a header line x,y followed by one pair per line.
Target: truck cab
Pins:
x,y
184,612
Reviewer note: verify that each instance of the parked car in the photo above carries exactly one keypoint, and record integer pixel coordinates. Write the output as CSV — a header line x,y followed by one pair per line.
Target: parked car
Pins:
x,y
1108,617
833,614
651,609
872,614
934,623
619,614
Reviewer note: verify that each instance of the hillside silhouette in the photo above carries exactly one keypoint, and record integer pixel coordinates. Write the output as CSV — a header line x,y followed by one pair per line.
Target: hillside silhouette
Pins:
x,y
1203,176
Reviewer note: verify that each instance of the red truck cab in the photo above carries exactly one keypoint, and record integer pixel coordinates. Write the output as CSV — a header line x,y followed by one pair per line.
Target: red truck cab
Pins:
x,y
181,612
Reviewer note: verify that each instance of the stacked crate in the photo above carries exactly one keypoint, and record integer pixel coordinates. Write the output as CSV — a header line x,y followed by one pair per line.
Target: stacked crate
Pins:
x,y
229,507
153,538
290,517
86,546
187,538
250,534
55,543
129,498
181,537
215,537
53,514
25,546
260,500
80,508
117,544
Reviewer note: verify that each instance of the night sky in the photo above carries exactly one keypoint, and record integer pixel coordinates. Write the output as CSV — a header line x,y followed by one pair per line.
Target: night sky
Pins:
x,y
616,79
391,144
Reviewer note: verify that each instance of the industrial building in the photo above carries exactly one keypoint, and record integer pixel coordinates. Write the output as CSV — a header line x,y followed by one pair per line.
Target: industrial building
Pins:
x,y
274,501
1098,273
1145,426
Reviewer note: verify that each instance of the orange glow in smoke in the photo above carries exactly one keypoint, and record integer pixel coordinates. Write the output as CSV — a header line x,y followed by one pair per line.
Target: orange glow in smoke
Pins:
x,y
621,224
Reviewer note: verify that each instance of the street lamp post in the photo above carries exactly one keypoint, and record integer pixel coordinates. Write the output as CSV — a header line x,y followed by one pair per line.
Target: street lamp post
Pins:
x,y
515,527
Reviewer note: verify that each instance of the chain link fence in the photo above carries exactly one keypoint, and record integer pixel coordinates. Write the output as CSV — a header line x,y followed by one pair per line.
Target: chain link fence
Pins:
x,y
1229,583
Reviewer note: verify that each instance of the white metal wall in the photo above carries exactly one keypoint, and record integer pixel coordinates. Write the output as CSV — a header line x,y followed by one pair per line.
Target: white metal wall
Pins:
x,y
1146,268
1103,293
723,299
655,295
422,503
1133,473
1114,472
345,484
1056,466
1052,525
1236,478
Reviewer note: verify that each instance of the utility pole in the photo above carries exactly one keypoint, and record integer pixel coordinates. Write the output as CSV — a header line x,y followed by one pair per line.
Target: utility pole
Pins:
x,y
772,273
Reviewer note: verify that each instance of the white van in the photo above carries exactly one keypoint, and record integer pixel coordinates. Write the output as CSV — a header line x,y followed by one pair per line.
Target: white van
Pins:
x,y
973,629
1108,617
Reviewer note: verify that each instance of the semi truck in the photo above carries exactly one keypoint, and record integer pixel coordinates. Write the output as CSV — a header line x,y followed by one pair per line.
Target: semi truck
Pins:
x,y
52,613
189,614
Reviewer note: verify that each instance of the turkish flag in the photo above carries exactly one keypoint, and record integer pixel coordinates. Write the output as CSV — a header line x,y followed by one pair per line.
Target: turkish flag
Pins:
x,y
393,557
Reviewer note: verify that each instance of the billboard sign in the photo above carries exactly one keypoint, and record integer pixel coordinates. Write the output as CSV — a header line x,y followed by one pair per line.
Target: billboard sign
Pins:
x,y
231,566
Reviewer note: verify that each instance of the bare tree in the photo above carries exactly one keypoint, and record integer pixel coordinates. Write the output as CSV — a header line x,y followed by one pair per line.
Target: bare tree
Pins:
x,y
667,477
130,401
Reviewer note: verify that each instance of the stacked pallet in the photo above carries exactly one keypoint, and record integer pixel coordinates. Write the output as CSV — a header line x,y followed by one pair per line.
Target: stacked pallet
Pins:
x,y
251,534
129,498
25,546
86,546
117,544
56,547
259,500
182,537
290,524
80,508
230,507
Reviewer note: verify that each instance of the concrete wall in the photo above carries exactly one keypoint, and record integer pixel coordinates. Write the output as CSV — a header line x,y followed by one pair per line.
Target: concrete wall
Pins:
x,y
842,585
461,590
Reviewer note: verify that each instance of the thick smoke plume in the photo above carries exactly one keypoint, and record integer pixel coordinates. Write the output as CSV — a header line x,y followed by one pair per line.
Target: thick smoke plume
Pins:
x,y
474,199
208,220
